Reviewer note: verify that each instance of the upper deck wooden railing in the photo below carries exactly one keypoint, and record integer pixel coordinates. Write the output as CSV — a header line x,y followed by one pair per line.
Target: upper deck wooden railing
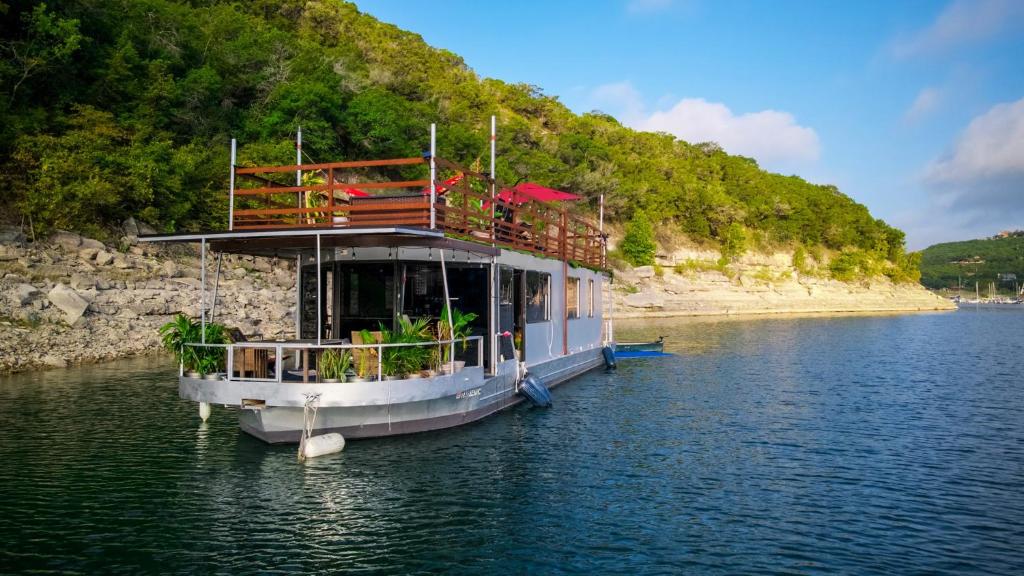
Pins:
x,y
464,208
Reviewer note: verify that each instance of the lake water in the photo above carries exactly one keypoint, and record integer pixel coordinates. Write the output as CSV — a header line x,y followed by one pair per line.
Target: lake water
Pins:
x,y
853,445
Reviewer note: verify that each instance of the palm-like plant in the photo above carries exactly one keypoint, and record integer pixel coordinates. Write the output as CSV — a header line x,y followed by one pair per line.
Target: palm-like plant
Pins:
x,y
176,335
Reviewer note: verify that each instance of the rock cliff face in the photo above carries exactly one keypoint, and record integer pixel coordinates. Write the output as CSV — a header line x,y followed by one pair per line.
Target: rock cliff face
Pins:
x,y
72,300
690,283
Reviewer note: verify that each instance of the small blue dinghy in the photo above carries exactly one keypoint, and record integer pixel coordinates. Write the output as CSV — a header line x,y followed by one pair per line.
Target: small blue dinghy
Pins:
x,y
536,391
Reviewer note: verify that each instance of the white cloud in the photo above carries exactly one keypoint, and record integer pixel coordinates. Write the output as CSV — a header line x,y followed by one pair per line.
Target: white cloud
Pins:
x,y
620,99
927,100
768,135
991,147
647,6
962,22
977,187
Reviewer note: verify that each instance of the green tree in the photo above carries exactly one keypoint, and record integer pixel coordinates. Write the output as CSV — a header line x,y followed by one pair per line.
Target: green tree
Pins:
x,y
638,245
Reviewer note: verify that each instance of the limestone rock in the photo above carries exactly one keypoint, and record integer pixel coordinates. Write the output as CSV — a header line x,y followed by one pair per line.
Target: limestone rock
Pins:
x,y
644,271
24,293
82,282
170,269
89,243
66,240
88,254
11,234
69,302
130,227
646,299
103,258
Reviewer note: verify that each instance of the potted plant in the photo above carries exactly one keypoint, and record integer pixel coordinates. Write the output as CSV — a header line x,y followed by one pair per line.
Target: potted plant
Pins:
x,y
211,358
457,329
175,336
333,365
365,359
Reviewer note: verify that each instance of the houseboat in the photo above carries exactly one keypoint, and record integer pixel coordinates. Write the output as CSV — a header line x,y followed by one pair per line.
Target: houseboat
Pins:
x,y
425,293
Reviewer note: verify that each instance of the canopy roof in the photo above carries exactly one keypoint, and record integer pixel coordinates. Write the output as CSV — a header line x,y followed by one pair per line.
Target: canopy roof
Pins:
x,y
526,191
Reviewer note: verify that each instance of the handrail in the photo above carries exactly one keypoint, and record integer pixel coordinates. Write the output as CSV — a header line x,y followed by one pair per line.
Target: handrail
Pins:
x,y
459,211
280,347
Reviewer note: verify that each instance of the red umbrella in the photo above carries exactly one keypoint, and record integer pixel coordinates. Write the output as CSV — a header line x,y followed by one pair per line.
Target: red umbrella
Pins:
x,y
527,191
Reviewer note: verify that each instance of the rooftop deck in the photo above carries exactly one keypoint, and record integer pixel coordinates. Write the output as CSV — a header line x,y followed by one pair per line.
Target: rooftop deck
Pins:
x,y
341,195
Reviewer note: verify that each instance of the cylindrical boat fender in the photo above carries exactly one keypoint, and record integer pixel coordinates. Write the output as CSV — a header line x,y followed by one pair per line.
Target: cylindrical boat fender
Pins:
x,y
535,390
609,358
323,445
204,411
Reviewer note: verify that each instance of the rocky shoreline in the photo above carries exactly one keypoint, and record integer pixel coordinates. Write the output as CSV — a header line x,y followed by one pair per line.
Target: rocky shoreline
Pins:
x,y
73,300
692,283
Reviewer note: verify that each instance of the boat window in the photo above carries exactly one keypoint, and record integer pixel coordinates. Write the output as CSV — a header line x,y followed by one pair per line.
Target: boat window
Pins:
x,y
538,287
590,298
572,298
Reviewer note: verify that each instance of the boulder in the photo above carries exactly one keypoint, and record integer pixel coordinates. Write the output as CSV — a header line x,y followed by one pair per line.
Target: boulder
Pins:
x,y
170,269
130,227
145,229
24,293
646,299
88,254
121,262
644,271
92,244
11,234
103,258
66,240
9,252
71,303
82,282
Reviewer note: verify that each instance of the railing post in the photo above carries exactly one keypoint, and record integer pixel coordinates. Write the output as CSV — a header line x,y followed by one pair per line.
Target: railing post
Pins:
x,y
380,365
279,363
231,186
230,361
433,177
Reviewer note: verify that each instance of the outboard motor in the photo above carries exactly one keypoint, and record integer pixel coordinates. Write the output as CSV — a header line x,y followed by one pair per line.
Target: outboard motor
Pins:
x,y
609,358
535,390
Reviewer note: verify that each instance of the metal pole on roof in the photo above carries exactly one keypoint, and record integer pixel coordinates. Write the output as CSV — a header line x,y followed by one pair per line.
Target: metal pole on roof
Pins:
x,y
231,184
298,162
433,175
492,324
202,290
600,212
319,325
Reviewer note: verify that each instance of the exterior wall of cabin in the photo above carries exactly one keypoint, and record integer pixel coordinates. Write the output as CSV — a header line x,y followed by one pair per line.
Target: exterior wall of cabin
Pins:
x,y
543,338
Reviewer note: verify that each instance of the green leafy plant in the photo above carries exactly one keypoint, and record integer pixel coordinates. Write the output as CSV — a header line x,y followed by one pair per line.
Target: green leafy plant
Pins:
x,y
334,364
174,337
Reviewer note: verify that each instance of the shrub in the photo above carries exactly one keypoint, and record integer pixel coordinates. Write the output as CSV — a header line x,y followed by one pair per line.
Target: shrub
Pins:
x,y
638,244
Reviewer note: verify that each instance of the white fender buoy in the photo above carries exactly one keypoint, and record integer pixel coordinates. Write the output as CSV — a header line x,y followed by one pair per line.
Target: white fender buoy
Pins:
x,y
204,410
322,445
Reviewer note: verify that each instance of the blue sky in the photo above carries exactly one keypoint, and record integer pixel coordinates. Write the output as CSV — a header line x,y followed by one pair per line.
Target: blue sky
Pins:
x,y
914,108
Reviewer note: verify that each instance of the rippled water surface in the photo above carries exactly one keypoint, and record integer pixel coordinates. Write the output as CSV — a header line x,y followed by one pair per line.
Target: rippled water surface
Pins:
x,y
849,445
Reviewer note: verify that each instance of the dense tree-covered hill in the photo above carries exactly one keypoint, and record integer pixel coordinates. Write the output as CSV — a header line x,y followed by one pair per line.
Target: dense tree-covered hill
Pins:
x,y
943,265
115,108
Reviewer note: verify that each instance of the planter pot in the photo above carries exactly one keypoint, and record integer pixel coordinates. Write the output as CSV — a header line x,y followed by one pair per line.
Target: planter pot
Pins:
x,y
193,374
414,375
340,220
358,379
431,373
213,376
331,380
394,377
459,365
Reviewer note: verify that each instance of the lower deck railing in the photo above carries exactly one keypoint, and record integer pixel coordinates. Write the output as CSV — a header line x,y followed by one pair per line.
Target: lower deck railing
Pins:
x,y
268,361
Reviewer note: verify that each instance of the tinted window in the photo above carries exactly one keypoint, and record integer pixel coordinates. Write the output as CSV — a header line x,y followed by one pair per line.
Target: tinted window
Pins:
x,y
538,288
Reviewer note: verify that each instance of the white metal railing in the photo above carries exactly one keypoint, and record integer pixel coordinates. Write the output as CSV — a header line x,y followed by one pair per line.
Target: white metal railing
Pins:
x,y
279,349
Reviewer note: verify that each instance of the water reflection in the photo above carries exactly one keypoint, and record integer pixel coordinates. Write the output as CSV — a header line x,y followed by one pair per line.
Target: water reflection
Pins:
x,y
815,444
